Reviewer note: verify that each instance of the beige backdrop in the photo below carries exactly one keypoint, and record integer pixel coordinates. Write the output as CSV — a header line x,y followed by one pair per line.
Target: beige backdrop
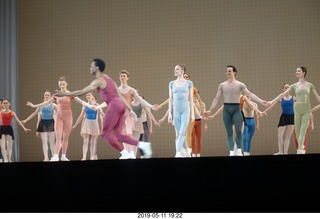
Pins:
x,y
265,40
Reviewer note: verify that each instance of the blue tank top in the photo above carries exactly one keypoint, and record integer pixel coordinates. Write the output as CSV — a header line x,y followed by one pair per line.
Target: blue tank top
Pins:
x,y
47,112
287,106
91,114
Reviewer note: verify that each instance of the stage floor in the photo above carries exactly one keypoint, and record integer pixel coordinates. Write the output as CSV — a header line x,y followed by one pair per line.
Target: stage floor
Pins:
x,y
285,183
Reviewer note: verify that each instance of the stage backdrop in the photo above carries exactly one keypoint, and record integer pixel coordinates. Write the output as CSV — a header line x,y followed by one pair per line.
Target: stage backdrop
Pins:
x,y
265,40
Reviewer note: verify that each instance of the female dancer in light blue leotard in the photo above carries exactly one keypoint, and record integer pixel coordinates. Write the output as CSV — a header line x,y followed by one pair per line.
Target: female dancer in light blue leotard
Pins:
x,y
180,105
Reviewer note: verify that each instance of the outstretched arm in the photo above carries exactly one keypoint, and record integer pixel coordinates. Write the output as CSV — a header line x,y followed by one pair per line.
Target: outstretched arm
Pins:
x,y
151,116
255,97
82,102
31,116
100,106
143,102
51,100
164,117
98,82
253,106
281,95
272,106
216,113
162,104
19,122
214,102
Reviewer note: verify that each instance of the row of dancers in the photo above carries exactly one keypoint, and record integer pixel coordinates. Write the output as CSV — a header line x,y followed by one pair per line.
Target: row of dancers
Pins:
x,y
186,110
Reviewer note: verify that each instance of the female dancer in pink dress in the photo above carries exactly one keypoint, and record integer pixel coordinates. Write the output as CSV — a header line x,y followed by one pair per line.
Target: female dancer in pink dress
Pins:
x,y
90,128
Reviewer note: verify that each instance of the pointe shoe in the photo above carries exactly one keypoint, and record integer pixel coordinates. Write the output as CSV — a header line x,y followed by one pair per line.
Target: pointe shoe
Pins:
x,y
146,148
